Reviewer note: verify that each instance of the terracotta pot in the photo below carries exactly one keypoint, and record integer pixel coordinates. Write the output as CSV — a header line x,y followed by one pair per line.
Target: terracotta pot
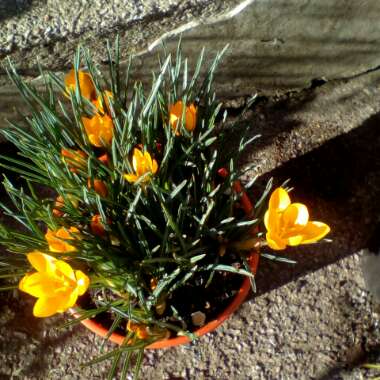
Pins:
x,y
239,298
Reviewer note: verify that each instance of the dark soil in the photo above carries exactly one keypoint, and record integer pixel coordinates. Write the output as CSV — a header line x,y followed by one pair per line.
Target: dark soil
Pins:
x,y
210,299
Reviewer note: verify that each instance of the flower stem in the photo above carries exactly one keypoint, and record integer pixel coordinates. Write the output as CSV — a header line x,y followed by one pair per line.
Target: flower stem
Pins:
x,y
247,245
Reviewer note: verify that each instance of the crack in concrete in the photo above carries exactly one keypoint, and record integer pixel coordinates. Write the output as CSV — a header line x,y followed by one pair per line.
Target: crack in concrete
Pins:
x,y
358,75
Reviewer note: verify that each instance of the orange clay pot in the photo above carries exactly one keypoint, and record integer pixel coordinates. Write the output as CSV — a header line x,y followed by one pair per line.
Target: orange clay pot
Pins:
x,y
210,326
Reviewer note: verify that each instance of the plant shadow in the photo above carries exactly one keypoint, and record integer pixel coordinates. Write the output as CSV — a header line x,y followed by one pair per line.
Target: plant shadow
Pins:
x,y
12,8
340,184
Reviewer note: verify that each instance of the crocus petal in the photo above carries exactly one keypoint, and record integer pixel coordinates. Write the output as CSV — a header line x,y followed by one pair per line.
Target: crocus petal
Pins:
x,y
65,269
67,300
99,130
175,115
314,231
295,214
94,140
174,122
56,239
191,117
138,154
148,160
294,240
105,129
41,262
268,217
83,282
136,159
154,166
275,242
100,188
47,306
38,285
63,233
131,177
279,200
85,83
60,246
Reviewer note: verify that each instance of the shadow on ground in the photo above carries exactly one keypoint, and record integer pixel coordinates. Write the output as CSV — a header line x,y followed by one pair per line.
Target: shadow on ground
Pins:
x,y
268,118
340,182
11,8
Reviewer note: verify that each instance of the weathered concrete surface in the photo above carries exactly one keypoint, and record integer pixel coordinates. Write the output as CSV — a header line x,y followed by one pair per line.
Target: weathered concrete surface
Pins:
x,y
274,45
371,271
299,122
313,320
278,46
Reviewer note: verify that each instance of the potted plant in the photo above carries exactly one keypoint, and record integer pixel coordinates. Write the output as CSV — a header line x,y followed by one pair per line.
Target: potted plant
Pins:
x,y
145,233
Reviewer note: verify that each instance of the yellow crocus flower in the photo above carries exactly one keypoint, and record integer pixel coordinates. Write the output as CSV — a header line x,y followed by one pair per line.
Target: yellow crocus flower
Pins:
x,y
99,129
57,239
86,84
55,284
175,116
142,164
288,223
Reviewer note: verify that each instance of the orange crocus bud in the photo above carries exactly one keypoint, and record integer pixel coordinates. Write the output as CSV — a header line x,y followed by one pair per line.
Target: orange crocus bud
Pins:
x,y
99,187
57,240
175,116
104,159
75,159
97,226
138,328
59,203
153,283
86,84
99,130
103,106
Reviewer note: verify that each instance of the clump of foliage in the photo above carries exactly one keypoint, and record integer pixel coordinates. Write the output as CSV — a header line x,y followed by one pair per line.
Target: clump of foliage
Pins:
x,y
144,199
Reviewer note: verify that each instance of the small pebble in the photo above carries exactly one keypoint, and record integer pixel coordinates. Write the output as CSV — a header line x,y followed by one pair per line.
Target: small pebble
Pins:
x,y
198,318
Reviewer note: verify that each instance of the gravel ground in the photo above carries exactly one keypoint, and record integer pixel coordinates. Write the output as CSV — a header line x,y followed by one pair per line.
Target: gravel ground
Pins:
x,y
320,326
